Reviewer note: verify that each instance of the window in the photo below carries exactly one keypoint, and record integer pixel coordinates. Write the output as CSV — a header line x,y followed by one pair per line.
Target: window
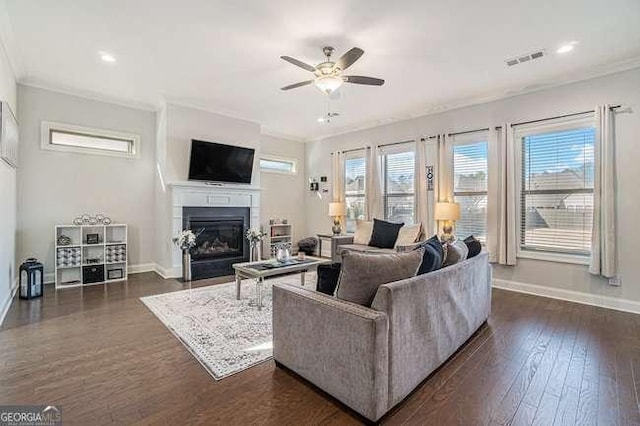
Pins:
x,y
556,194
398,191
70,138
278,165
354,188
470,188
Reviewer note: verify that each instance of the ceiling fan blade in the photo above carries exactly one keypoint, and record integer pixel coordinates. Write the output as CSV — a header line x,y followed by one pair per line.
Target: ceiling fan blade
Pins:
x,y
296,62
349,58
293,86
358,79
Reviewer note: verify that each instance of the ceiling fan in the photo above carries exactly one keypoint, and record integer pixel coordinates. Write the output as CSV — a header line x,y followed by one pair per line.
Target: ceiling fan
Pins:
x,y
328,74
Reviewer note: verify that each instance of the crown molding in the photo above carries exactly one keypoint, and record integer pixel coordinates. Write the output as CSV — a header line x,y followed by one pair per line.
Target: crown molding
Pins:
x,y
280,135
566,79
221,112
85,94
7,43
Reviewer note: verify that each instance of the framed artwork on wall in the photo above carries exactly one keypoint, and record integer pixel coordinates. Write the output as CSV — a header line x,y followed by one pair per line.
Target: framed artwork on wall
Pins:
x,y
8,135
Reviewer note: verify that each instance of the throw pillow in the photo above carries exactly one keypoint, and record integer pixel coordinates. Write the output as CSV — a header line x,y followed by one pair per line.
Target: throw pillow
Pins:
x,y
408,235
328,275
384,233
457,251
363,273
433,255
362,236
474,246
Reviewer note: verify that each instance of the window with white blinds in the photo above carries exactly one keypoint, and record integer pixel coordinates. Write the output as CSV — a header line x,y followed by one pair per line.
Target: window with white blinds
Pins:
x,y
470,188
557,176
354,188
399,189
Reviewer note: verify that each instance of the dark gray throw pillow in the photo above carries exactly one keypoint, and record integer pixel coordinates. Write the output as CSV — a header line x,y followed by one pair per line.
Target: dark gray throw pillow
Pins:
x,y
362,273
433,255
384,233
474,246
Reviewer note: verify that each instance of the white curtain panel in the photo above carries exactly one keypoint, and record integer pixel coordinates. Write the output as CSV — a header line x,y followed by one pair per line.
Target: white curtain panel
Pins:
x,y
501,209
373,184
424,206
337,176
445,165
603,237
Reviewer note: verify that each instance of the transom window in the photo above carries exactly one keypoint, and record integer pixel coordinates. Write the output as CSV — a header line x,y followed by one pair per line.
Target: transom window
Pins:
x,y
278,165
556,196
399,189
470,188
354,189
71,138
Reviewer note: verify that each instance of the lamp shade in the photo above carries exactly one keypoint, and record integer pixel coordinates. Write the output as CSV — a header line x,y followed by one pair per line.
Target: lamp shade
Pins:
x,y
336,209
447,211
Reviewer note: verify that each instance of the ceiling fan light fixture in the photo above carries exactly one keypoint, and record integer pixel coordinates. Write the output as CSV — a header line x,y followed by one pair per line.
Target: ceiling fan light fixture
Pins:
x,y
328,83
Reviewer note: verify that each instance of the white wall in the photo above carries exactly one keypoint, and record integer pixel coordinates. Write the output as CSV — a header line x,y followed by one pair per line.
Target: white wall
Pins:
x,y
181,125
283,196
621,88
7,194
55,187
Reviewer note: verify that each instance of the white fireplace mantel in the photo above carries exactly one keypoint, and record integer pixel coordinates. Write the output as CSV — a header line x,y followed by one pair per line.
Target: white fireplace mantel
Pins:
x,y
199,194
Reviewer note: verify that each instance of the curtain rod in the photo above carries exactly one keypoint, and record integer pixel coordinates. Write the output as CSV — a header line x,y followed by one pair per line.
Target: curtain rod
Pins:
x,y
379,146
613,107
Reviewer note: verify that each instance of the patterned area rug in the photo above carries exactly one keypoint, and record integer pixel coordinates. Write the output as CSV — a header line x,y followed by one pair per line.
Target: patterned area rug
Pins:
x,y
226,335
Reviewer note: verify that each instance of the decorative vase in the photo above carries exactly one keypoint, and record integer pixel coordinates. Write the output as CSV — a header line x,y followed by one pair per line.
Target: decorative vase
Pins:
x,y
255,252
186,265
283,255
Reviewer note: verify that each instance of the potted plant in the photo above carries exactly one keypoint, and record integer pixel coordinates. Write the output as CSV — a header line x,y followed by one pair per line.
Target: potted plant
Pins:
x,y
185,241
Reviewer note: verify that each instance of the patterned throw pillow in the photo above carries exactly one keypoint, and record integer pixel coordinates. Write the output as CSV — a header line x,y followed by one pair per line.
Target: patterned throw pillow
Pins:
x,y
362,236
362,273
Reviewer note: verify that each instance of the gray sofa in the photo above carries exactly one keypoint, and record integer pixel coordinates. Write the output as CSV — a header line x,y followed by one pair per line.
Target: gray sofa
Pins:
x,y
372,358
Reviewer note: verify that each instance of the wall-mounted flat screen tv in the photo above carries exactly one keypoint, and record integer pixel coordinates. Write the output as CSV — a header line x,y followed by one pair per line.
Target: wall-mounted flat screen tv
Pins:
x,y
216,162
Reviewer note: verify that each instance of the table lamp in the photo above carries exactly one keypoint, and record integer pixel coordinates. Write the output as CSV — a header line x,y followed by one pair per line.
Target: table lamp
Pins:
x,y
449,213
336,210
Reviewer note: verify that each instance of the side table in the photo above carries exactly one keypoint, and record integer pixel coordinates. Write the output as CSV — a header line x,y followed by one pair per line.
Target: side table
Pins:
x,y
328,245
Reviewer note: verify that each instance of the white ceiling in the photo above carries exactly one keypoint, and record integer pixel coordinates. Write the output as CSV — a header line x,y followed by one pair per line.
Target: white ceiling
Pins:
x,y
223,56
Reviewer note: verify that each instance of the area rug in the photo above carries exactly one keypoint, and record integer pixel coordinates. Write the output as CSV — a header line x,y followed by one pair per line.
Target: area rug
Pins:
x,y
226,335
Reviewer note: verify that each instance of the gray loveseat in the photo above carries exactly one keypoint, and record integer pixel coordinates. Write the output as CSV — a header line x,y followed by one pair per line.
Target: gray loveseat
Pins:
x,y
372,358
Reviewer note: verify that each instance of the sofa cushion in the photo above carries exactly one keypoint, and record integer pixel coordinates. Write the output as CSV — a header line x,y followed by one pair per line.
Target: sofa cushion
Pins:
x,y
363,273
457,251
364,249
408,235
364,228
433,255
474,246
384,233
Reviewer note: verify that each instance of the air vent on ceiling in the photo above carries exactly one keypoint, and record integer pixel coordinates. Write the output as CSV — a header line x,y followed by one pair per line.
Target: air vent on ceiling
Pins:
x,y
525,58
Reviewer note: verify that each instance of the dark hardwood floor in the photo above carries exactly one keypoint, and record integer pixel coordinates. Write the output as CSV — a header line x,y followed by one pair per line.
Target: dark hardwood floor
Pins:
x,y
105,359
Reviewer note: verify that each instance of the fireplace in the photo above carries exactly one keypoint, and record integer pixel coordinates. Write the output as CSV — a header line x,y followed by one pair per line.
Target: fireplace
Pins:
x,y
220,239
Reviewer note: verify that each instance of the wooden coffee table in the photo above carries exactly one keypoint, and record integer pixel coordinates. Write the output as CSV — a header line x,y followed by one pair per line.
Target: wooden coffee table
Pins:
x,y
260,270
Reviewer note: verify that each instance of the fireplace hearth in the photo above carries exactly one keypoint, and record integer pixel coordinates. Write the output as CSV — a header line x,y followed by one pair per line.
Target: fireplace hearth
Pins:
x,y
220,239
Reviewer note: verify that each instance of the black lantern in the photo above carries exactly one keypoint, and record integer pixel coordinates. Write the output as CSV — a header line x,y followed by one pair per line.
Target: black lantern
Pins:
x,y
31,279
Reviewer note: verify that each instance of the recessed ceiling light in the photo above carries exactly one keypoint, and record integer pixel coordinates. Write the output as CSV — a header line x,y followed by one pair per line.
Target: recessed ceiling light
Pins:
x,y
567,47
107,57
321,119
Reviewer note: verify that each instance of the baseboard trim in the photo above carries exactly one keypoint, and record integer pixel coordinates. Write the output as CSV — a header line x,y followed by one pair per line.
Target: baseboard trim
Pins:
x,y
7,303
49,277
166,273
607,302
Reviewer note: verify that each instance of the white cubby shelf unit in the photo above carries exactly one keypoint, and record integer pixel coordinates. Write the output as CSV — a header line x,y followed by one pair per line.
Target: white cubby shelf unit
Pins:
x,y
276,233
96,254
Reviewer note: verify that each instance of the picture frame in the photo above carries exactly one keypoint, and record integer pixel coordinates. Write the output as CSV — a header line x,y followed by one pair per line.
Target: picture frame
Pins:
x,y
8,135
114,274
93,238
